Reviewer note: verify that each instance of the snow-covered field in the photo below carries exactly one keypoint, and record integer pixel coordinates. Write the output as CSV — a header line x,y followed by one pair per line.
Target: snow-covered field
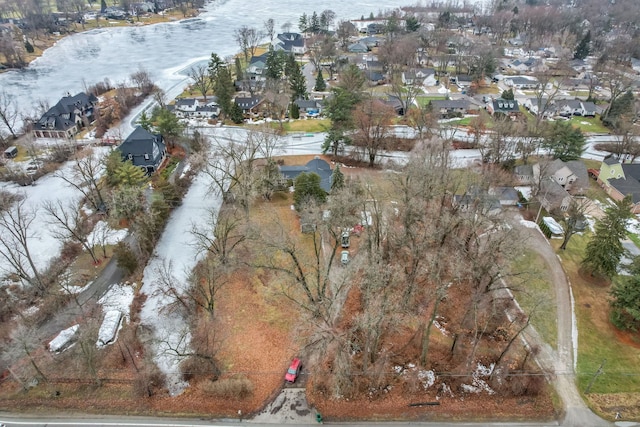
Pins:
x,y
42,241
175,248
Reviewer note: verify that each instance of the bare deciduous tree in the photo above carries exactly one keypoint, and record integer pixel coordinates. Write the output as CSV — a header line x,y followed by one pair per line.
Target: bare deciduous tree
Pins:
x,y
15,237
201,80
9,113
69,224
247,39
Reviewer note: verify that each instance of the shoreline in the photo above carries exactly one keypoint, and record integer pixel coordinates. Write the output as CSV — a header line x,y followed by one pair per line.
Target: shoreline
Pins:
x,y
50,40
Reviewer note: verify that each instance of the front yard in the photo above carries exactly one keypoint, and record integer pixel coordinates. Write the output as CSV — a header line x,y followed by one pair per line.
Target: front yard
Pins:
x,y
589,124
617,389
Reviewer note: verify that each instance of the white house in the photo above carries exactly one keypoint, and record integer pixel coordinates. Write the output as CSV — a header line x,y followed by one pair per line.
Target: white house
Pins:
x,y
521,82
420,77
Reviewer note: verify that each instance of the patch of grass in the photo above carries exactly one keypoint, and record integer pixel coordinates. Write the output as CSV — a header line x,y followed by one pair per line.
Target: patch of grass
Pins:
x,y
589,124
597,338
536,294
634,238
425,100
310,125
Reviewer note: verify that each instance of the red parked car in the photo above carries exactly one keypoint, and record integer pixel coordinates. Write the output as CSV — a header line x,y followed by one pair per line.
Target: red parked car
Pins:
x,y
293,371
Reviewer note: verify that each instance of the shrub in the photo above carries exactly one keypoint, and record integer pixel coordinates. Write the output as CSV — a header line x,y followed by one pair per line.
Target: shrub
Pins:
x,y
126,258
236,387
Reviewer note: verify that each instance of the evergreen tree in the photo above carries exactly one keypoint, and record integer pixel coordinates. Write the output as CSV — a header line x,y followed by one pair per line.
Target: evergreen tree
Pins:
x,y
584,47
236,114
239,71
169,126
604,250
224,90
508,94
625,305
315,23
564,141
294,111
337,179
297,81
28,47
111,164
303,24
215,64
307,189
129,175
274,66
145,122
321,85
623,106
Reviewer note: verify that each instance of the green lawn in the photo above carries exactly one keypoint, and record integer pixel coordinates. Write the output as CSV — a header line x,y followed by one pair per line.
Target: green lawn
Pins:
x,y
533,289
310,125
589,124
597,338
424,100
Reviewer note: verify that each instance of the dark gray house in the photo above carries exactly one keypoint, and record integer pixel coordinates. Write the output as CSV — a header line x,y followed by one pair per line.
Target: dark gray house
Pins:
x,y
67,117
144,149
317,166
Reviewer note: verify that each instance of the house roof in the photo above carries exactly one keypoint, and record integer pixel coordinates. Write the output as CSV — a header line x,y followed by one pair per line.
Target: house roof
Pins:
x,y
519,80
306,103
317,166
374,76
186,102
577,167
68,105
628,187
139,143
523,170
505,105
358,47
450,103
610,161
247,103
631,170
505,193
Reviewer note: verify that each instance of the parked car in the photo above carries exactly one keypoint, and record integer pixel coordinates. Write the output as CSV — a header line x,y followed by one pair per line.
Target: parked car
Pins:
x,y
293,371
344,257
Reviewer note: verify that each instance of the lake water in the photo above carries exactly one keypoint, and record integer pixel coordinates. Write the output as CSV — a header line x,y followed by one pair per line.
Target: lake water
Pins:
x,y
165,50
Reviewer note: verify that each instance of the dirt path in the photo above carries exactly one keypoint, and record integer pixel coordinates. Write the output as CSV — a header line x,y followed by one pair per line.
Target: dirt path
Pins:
x,y
560,362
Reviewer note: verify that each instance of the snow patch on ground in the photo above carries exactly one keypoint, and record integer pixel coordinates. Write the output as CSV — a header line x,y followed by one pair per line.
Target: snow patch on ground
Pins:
x,y
478,384
439,323
43,244
102,234
176,244
426,377
633,226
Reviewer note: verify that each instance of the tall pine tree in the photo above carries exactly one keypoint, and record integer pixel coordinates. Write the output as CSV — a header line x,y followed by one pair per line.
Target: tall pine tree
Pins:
x,y
605,249
584,47
321,85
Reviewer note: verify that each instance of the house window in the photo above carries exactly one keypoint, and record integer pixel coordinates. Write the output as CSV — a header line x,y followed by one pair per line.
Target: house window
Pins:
x,y
611,171
130,157
564,207
146,156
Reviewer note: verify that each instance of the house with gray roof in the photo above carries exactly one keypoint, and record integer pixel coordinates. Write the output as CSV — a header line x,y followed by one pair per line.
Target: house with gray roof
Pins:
x,y
621,180
521,82
509,107
290,43
450,107
317,166
67,117
143,149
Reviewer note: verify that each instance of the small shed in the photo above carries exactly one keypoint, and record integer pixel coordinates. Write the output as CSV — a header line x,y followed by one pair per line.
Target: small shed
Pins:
x,y
11,152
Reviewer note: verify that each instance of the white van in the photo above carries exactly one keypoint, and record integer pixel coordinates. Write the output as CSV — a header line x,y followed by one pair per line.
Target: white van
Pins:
x,y
344,257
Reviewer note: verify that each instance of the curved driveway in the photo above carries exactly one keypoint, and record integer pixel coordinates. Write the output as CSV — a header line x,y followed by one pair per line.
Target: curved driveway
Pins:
x,y
560,362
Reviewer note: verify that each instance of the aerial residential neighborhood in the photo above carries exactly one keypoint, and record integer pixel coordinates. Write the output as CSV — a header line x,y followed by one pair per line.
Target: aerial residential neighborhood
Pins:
x,y
426,212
